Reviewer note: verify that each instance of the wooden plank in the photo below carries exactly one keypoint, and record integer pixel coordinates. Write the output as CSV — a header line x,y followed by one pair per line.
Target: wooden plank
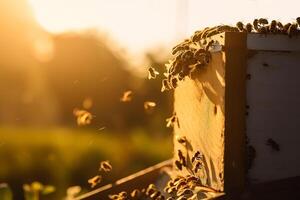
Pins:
x,y
210,109
138,180
273,42
199,105
273,97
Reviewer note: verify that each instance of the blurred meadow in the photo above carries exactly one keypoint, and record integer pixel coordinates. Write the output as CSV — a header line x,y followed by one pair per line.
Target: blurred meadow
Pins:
x,y
44,76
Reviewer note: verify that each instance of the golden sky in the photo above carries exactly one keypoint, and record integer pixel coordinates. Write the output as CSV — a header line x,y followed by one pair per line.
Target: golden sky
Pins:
x,y
140,24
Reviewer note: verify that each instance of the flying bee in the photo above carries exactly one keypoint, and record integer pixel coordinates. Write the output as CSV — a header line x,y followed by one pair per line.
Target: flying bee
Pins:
x,y
240,26
149,105
274,145
172,120
178,165
263,21
95,181
165,85
152,73
83,117
249,27
127,96
105,166
255,24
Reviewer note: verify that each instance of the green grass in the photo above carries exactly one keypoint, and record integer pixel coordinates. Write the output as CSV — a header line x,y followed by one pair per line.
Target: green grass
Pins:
x,y
64,157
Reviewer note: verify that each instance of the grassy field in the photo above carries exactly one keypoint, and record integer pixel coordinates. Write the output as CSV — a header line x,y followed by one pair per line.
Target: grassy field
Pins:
x,y
65,157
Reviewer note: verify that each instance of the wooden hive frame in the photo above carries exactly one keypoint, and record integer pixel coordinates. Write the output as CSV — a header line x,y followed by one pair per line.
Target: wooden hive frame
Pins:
x,y
212,119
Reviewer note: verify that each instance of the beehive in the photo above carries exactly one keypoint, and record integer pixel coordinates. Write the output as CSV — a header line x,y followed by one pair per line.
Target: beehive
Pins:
x,y
241,111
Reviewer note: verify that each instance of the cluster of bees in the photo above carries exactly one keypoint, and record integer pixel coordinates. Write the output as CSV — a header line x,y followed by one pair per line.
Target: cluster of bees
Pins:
x,y
194,53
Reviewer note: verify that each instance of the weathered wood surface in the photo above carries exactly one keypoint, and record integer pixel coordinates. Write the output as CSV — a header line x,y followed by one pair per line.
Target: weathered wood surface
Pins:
x,y
211,113
139,180
273,96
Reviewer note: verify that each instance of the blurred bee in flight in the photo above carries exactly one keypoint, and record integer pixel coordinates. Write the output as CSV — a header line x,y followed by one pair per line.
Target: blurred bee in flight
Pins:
x,y
83,117
152,73
95,181
105,166
127,96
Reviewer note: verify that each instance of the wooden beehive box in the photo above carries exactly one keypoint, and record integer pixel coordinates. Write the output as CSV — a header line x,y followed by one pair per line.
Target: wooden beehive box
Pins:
x,y
241,111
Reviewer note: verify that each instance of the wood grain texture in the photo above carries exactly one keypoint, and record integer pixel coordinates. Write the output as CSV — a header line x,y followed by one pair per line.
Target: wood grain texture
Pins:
x,y
199,106
211,112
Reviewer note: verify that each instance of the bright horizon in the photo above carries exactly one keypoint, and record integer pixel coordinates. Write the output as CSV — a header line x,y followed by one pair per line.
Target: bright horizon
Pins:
x,y
138,25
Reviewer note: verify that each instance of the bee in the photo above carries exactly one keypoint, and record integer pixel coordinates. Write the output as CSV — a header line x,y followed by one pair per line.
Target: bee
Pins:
x,y
197,157
113,196
249,27
181,184
151,189
95,181
152,73
197,166
174,82
83,117
292,30
209,45
181,140
279,26
263,21
240,26
185,192
165,85
171,190
149,105
263,30
265,64
176,67
298,21
274,145
155,194
272,26
127,96
178,165
105,166
255,24
172,120
286,27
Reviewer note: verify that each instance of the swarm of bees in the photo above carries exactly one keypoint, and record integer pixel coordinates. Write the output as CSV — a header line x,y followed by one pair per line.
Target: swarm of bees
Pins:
x,y
194,54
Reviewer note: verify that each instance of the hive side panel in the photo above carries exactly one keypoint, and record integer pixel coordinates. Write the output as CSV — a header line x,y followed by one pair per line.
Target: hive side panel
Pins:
x,y
199,105
273,96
